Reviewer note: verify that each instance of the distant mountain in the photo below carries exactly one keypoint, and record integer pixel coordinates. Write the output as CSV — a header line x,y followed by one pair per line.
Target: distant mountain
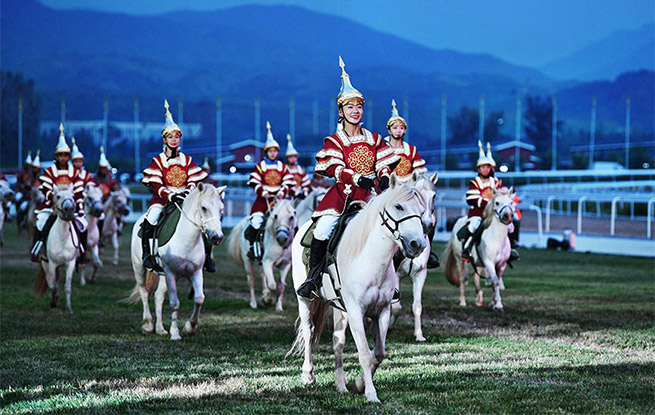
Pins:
x,y
622,51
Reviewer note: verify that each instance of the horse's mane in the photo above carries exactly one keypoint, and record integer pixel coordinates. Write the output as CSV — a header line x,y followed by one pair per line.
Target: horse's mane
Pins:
x,y
488,214
358,230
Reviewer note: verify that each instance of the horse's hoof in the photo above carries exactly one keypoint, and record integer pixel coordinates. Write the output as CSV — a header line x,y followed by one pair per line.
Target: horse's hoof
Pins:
x,y
373,398
307,379
356,386
114,263
82,283
176,337
462,303
342,388
253,304
189,329
147,327
70,310
479,303
420,339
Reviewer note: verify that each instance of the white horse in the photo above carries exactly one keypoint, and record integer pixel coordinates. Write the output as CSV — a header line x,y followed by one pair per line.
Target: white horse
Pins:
x,y
307,206
182,257
389,222
6,198
36,198
417,268
93,209
279,231
493,252
115,206
62,249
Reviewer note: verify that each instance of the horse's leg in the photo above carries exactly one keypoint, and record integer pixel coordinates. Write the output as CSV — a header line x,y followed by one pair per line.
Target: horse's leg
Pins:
x,y
396,307
174,302
51,279
479,294
82,271
366,359
268,281
70,268
97,263
250,269
281,286
338,343
197,283
304,314
491,271
114,242
418,281
160,294
462,269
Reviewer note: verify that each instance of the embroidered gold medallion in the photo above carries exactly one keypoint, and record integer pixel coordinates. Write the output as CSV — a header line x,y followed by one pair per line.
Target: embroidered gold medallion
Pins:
x,y
64,180
176,177
404,168
272,178
487,193
361,159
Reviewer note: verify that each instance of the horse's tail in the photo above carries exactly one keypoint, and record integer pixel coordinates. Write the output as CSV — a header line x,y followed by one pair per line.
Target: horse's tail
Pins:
x,y
317,311
152,279
234,242
451,264
40,286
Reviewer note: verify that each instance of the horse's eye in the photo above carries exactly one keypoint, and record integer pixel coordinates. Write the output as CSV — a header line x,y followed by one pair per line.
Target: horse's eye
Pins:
x,y
399,207
204,209
497,203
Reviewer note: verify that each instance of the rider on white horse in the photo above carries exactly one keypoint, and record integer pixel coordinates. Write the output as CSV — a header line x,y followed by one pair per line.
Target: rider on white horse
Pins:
x,y
302,185
271,180
410,161
171,175
480,192
354,157
60,173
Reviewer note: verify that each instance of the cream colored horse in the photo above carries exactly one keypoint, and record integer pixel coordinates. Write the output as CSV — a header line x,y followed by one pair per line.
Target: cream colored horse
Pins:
x,y
364,266
93,209
115,206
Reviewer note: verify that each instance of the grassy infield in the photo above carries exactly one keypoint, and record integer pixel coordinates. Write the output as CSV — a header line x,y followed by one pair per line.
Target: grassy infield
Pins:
x,y
576,336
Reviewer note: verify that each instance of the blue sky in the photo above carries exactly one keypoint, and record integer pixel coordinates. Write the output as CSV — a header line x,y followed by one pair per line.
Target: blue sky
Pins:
x,y
526,32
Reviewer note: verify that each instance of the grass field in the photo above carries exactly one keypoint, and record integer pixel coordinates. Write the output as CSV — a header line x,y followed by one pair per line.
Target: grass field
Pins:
x,y
577,336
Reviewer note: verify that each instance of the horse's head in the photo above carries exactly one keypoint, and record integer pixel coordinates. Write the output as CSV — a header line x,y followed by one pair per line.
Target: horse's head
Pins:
x,y
36,195
503,205
93,200
64,202
210,210
402,214
119,200
425,185
317,195
283,222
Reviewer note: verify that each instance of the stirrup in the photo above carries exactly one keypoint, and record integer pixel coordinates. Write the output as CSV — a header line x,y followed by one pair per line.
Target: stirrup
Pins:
x,y
152,264
466,256
433,261
313,295
209,265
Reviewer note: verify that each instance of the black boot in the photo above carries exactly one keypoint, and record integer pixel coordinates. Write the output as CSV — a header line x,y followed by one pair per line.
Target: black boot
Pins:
x,y
433,260
210,265
513,256
147,233
84,257
40,237
250,233
309,289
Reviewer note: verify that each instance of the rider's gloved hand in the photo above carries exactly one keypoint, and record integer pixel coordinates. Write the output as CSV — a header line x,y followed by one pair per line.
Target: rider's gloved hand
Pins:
x,y
384,183
280,194
365,183
178,198
265,194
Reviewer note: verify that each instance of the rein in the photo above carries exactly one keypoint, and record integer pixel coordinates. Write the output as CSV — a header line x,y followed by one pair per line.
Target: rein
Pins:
x,y
204,222
395,230
498,213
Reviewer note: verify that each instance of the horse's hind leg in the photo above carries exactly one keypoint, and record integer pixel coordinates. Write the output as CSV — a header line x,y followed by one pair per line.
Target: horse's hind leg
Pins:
x,y
463,274
160,294
338,343
175,305
250,269
199,299
82,270
305,326
114,242
281,287
51,279
418,281
268,282
479,295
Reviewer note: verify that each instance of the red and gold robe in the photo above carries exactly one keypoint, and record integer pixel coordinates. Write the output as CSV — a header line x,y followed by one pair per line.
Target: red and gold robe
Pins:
x,y
480,193
85,176
346,159
167,176
269,178
53,177
410,162
302,184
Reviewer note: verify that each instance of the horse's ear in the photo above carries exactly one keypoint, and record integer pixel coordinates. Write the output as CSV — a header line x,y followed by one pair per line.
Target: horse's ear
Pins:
x,y
201,187
511,190
415,176
221,190
393,180
435,178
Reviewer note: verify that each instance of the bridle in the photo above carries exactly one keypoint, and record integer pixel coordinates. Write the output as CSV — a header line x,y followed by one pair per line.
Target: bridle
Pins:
x,y
203,222
499,213
395,230
62,214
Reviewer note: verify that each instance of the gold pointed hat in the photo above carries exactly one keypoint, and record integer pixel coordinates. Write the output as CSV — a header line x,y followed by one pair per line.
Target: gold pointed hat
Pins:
x,y
28,159
347,92
482,158
170,125
395,117
291,150
270,141
76,153
103,159
489,156
37,159
62,147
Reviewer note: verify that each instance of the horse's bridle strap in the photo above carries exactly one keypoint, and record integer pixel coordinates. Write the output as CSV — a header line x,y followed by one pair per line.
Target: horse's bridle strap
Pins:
x,y
396,222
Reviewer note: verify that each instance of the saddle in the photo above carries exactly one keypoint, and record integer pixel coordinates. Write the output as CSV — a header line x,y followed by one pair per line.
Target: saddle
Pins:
x,y
166,225
259,238
331,281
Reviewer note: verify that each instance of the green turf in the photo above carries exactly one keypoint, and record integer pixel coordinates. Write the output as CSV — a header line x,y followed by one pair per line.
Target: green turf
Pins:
x,y
577,336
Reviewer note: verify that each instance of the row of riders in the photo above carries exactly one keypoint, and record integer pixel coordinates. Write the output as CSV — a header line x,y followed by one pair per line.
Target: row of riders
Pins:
x,y
362,164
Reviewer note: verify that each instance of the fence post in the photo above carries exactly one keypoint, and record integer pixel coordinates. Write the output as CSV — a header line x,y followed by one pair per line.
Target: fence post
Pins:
x,y
613,214
581,202
548,202
541,233
649,213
